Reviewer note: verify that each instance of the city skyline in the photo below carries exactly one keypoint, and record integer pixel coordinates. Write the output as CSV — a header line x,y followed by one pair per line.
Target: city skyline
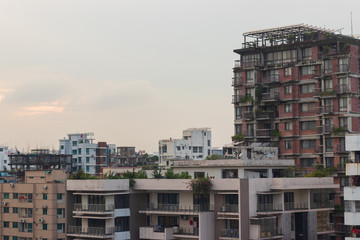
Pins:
x,y
131,72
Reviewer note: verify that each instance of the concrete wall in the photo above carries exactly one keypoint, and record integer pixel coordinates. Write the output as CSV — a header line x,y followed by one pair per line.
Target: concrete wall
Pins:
x,y
206,226
98,185
312,225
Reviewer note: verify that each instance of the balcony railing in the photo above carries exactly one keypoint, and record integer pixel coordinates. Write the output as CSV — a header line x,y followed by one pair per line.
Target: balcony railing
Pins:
x,y
230,233
270,233
186,231
326,129
270,96
249,115
324,204
341,88
236,82
179,208
272,78
249,133
263,132
326,227
269,207
265,115
255,62
342,68
295,206
94,207
25,215
325,110
340,148
229,208
93,231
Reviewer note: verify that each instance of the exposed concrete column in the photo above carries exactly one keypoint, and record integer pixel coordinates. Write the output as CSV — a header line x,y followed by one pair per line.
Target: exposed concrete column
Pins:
x,y
270,173
286,225
312,225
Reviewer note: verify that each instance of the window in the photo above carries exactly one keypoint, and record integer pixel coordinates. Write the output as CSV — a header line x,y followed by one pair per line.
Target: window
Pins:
x,y
15,195
343,122
44,211
79,159
238,113
329,162
238,128
6,210
44,226
122,224
74,152
307,107
168,198
14,238
328,66
79,151
343,65
29,225
6,224
15,225
307,162
122,201
74,143
288,108
308,144
60,227
44,196
308,70
287,71
164,148
229,173
87,151
209,143
328,84
87,160
307,53
250,76
199,174
288,144
287,89
87,168
200,149
288,126
195,149
6,238
15,210
308,125
6,195
329,144
342,104
307,88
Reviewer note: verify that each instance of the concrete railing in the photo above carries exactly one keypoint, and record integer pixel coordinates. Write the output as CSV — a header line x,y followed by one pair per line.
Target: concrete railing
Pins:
x,y
93,231
180,208
94,207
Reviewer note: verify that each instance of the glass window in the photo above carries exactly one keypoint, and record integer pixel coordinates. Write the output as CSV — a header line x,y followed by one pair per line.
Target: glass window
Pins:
x,y
6,195
308,125
79,151
308,144
307,162
307,107
122,201
87,160
308,70
307,53
59,196
168,198
328,66
288,144
15,210
44,226
74,143
238,113
250,76
307,88
288,108
15,195
122,224
6,210
328,84
229,173
44,196
238,128
87,151
287,89
15,225
6,224
288,126
343,122
343,104
287,71
44,211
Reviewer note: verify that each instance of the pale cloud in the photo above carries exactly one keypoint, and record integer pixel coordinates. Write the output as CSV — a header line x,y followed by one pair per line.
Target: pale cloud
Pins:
x,y
3,93
43,108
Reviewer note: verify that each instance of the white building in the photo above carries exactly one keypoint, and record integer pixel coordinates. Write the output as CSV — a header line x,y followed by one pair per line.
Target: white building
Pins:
x,y
4,158
195,144
88,155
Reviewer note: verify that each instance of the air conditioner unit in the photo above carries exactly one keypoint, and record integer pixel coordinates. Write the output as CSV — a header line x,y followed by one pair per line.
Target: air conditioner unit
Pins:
x,y
22,220
44,206
41,220
4,203
44,187
12,184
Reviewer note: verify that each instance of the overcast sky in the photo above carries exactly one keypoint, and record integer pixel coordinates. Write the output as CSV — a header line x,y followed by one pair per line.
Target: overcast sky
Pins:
x,y
132,71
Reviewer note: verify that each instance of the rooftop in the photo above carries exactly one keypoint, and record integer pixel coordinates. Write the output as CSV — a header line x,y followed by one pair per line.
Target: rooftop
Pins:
x,y
232,163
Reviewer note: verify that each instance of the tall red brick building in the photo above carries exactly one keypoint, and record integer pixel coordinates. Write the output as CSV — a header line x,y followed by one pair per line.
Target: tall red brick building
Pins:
x,y
297,87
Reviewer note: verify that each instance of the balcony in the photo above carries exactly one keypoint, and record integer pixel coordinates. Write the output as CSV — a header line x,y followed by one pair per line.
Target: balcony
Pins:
x,y
272,78
342,68
247,64
270,234
342,88
341,148
264,115
325,110
229,208
249,116
263,133
316,205
326,129
178,208
94,208
269,207
156,232
289,206
91,232
25,215
249,133
181,231
236,82
230,233
270,96
329,227
244,100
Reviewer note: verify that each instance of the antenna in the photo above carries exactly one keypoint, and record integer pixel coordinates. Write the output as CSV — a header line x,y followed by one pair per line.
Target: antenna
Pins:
x,y
351,24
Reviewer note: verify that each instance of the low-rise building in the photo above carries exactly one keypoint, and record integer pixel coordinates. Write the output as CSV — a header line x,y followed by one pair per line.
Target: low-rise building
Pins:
x,y
4,158
195,144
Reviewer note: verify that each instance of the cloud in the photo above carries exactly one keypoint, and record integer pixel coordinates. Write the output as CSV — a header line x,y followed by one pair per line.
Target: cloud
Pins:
x,y
43,108
3,92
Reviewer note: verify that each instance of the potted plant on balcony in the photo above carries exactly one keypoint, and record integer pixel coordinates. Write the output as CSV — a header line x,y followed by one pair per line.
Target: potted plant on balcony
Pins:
x,y
200,185
237,138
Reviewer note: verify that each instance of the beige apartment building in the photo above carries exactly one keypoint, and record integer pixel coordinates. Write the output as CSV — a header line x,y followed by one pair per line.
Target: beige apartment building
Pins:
x,y
34,209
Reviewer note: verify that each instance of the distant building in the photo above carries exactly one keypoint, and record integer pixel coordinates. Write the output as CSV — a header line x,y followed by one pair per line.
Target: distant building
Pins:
x,y
195,144
88,155
4,158
217,151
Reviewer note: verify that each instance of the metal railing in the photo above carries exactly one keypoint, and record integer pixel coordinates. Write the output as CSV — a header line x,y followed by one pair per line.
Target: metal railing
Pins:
x,y
265,115
229,208
232,233
340,148
342,68
249,133
325,228
236,82
269,207
326,129
329,204
270,96
95,231
255,62
94,207
341,88
180,208
325,110
272,78
270,233
249,115
295,206
263,132
186,231
25,215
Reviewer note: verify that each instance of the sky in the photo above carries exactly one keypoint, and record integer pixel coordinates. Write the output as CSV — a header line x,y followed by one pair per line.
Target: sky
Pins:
x,y
132,71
